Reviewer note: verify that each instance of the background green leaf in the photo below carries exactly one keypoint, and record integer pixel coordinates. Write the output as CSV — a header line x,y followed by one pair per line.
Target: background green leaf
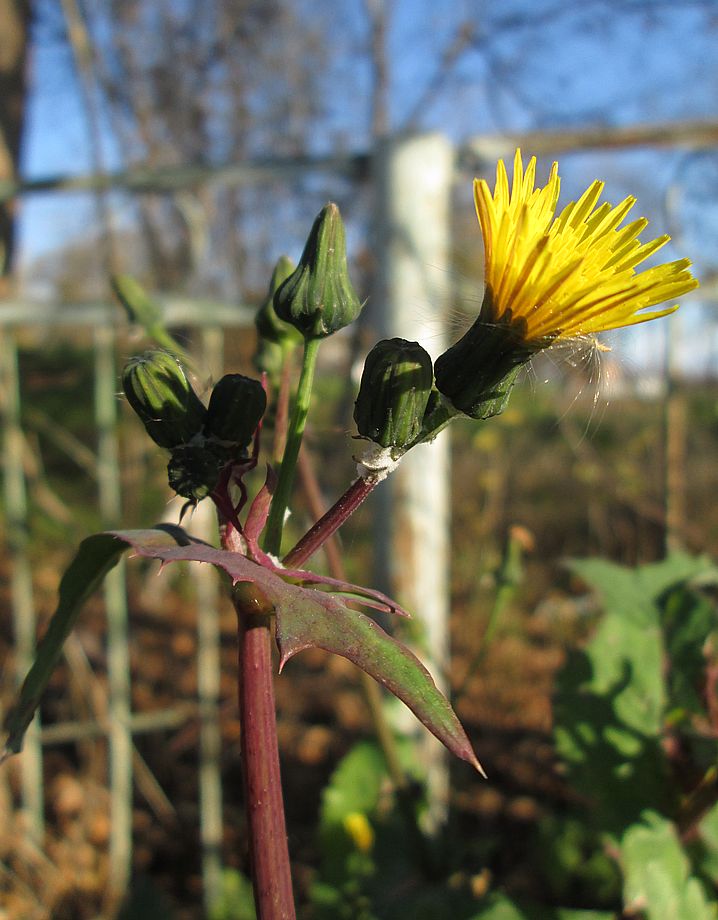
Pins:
x,y
96,556
658,882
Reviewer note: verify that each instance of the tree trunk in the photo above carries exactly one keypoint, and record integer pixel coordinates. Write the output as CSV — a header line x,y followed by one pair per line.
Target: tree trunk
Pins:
x,y
14,28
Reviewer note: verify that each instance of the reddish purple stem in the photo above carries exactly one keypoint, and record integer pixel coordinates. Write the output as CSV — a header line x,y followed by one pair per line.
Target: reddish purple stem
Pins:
x,y
263,783
343,508
271,872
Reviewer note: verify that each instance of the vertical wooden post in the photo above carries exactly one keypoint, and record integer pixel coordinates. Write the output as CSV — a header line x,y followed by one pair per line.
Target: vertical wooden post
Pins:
x,y
204,525
21,578
414,180
118,657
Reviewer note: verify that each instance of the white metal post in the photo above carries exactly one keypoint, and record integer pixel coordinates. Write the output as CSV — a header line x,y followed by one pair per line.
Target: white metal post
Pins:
x,y
118,655
414,180
204,525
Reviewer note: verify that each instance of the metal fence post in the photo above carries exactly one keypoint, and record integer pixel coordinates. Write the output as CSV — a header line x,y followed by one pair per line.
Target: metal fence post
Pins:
x,y
209,669
21,579
118,655
414,180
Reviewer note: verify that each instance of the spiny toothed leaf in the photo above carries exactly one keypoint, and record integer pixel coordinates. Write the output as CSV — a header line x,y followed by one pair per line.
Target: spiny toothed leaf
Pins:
x,y
305,618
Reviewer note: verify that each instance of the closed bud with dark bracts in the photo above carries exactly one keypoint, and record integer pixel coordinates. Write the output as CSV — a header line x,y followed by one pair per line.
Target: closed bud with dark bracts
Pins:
x,y
157,388
236,407
394,391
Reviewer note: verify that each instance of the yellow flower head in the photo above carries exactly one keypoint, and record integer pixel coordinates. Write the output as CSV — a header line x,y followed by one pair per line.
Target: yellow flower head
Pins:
x,y
550,278
360,830
572,275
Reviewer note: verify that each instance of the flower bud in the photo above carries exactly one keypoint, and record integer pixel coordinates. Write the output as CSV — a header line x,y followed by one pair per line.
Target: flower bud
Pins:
x,y
143,310
395,387
270,327
193,470
236,407
158,390
318,297
477,373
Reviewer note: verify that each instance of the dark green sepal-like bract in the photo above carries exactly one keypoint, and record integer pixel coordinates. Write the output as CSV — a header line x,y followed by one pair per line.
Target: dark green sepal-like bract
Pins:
x,y
236,407
394,391
157,388
318,298
477,373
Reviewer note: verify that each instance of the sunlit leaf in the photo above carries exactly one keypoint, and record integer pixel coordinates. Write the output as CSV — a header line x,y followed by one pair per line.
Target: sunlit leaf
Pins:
x,y
305,617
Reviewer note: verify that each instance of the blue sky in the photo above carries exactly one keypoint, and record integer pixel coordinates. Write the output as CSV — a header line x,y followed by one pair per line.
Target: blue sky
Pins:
x,y
531,65
528,65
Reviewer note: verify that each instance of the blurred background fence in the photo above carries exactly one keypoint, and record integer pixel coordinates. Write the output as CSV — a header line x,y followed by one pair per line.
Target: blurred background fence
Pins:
x,y
415,180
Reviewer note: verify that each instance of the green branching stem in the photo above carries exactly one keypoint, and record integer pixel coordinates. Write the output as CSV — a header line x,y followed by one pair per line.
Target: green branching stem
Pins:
x,y
439,413
698,803
508,579
280,502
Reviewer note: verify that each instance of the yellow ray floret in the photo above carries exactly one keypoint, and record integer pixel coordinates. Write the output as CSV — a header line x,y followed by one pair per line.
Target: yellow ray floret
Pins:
x,y
568,275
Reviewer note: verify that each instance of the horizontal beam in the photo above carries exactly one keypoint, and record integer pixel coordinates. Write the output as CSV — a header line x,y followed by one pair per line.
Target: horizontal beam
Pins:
x,y
480,151
486,148
165,179
177,311
140,723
